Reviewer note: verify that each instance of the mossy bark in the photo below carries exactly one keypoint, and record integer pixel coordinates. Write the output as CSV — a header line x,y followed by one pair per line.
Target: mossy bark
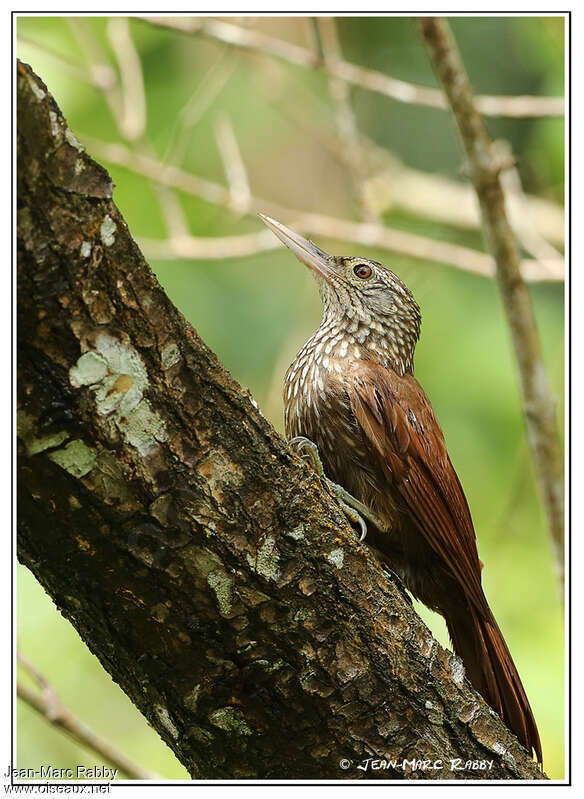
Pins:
x,y
201,561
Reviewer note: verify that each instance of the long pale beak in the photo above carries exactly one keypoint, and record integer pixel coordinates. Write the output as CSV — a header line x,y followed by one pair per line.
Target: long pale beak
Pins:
x,y
307,252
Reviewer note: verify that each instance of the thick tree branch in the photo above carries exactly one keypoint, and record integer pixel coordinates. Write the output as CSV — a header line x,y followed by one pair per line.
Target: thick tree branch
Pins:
x,y
204,564
539,404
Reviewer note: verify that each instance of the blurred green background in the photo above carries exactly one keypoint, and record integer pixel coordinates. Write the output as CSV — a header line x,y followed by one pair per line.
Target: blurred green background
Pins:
x,y
256,311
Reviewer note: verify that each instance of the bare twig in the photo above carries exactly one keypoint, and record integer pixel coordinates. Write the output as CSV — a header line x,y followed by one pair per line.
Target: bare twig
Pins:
x,y
363,233
367,234
66,65
254,40
235,170
128,103
392,184
444,200
206,92
326,30
132,122
538,401
521,220
102,73
166,174
48,705
175,218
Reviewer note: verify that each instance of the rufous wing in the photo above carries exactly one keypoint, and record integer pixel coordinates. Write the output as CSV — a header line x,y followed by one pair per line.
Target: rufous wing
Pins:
x,y
401,428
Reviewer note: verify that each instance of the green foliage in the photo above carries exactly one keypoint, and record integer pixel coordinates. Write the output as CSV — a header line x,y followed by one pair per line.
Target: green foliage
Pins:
x,y
255,312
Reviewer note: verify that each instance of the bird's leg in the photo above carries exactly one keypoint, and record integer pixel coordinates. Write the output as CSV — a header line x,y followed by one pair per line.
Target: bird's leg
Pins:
x,y
353,509
308,451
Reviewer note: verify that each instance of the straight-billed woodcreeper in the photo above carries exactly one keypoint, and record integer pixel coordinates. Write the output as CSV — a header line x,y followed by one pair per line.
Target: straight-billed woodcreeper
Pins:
x,y
351,391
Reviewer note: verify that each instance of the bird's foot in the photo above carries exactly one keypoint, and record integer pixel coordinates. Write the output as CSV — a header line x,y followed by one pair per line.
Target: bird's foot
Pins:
x,y
308,451
353,509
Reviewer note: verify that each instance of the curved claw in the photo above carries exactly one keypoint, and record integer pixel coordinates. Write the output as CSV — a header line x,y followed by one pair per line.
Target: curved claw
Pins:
x,y
354,510
363,526
308,450
353,516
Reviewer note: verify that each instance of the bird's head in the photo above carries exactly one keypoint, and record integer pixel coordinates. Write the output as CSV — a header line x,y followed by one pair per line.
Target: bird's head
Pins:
x,y
360,295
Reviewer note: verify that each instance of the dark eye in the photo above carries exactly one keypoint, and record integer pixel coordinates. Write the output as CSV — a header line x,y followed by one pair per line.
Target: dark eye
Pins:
x,y
362,270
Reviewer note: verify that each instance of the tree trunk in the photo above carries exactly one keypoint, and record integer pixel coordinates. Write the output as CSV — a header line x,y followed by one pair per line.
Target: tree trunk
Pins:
x,y
203,564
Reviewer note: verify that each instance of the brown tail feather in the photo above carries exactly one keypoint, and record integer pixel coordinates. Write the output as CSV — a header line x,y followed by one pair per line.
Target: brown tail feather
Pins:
x,y
491,671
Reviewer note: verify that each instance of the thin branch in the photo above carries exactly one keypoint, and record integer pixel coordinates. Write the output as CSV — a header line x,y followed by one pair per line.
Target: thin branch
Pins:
x,y
233,164
133,120
538,401
363,233
103,74
67,65
348,129
128,103
176,221
403,92
519,213
167,174
48,705
367,234
444,200
202,98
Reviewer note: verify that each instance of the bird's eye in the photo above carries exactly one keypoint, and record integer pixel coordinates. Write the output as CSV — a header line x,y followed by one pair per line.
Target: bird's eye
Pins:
x,y
362,271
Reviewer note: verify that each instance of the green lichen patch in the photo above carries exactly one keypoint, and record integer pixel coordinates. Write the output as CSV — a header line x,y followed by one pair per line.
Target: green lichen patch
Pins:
x,y
304,614
457,669
74,142
222,585
116,374
76,458
107,230
166,721
89,370
143,428
121,359
230,720
170,355
336,557
36,89
26,428
55,127
296,534
266,561
36,445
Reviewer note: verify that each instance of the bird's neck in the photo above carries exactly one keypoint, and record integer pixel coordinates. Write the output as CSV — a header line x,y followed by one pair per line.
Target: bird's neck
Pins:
x,y
346,339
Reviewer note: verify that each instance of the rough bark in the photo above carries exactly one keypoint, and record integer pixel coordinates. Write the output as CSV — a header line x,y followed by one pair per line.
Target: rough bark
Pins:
x,y
204,564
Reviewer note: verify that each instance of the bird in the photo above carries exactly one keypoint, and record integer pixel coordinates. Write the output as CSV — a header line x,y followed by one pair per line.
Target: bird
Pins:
x,y
352,395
